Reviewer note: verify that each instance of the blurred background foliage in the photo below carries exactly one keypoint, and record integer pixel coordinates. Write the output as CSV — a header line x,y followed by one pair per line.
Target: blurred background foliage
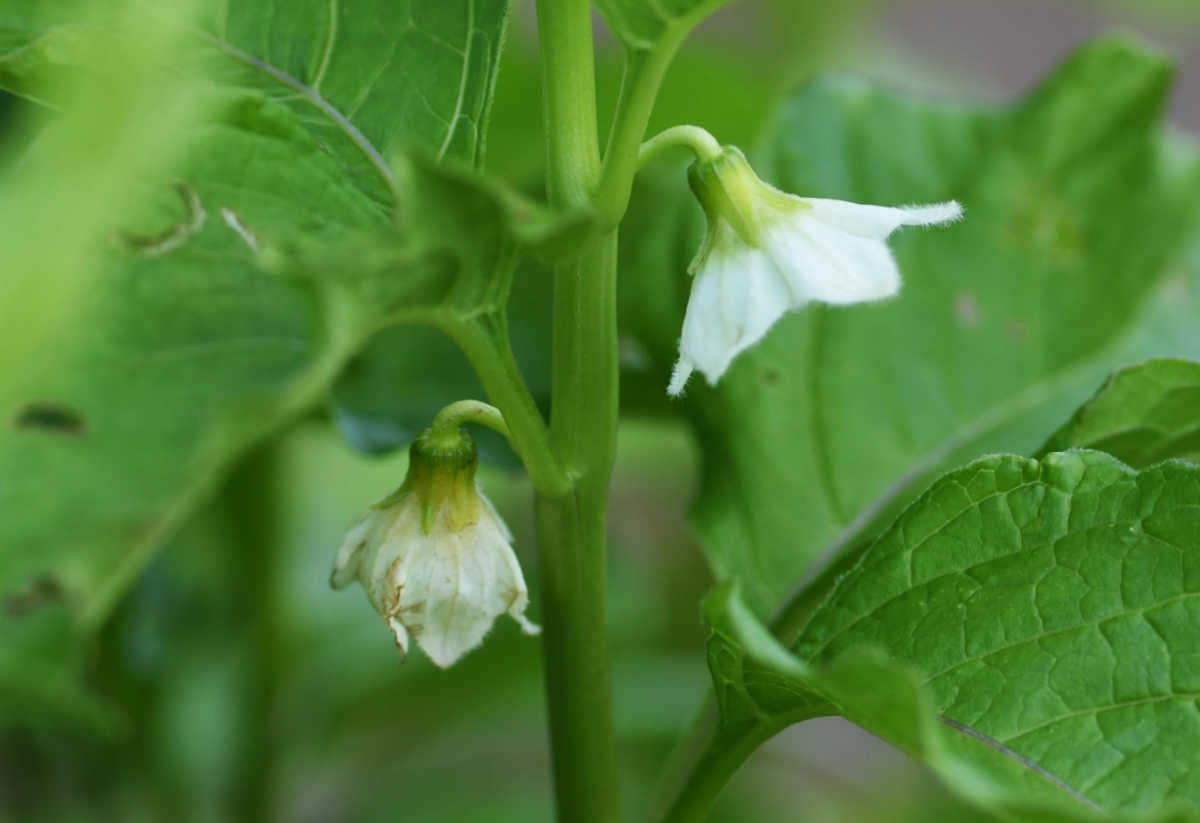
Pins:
x,y
233,684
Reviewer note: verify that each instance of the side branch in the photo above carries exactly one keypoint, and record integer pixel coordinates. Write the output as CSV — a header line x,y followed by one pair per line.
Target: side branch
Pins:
x,y
486,346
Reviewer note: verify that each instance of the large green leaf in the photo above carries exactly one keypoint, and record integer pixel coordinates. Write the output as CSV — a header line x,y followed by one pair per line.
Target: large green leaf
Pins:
x,y
367,77
1044,612
817,436
247,275
1142,415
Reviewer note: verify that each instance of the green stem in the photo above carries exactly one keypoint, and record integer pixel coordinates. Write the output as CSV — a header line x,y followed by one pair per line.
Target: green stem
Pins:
x,y
569,90
693,138
571,526
710,759
452,417
644,73
694,782
571,539
486,346
712,772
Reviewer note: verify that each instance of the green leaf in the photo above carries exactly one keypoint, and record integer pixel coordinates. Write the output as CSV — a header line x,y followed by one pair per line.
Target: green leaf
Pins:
x,y
763,688
181,367
230,298
405,72
643,24
817,437
1043,612
366,76
180,355
1142,415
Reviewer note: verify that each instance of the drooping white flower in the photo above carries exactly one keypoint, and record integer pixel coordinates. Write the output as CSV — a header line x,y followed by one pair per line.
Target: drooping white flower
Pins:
x,y
768,252
434,557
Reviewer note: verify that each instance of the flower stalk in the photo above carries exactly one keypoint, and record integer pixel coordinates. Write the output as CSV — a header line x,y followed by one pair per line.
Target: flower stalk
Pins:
x,y
702,145
450,418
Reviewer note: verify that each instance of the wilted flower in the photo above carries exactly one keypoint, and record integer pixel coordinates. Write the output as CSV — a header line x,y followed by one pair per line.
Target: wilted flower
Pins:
x,y
434,557
768,252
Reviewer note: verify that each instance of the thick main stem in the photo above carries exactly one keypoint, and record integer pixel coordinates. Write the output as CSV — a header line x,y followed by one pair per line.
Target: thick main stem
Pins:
x,y
571,525
569,93
571,538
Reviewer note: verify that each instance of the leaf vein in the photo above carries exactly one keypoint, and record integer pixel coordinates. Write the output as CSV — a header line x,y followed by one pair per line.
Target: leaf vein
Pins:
x,y
1097,710
311,96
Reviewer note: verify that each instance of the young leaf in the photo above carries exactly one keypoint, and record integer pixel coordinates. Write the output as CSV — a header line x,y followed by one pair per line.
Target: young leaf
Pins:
x,y
1043,612
1142,415
816,437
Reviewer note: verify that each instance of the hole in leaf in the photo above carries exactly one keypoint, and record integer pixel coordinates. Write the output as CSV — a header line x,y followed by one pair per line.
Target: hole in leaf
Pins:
x,y
50,417
38,593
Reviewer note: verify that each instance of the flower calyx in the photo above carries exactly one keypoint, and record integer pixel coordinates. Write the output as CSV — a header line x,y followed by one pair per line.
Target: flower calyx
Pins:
x,y
730,192
441,478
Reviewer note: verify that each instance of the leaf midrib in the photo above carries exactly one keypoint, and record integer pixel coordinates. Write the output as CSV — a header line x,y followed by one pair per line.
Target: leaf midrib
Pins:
x,y
314,98
469,41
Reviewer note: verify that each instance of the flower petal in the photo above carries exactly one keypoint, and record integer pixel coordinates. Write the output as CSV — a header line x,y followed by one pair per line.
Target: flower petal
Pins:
x,y
400,634
435,604
736,297
877,222
457,585
517,612
349,554
497,520
680,374
383,569
823,263
519,595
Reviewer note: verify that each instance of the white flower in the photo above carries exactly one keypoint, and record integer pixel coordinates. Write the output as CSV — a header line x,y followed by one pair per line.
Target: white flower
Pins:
x,y
435,558
768,252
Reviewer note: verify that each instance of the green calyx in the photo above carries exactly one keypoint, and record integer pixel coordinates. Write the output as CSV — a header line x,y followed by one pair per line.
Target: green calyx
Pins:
x,y
441,476
726,187
446,443
730,192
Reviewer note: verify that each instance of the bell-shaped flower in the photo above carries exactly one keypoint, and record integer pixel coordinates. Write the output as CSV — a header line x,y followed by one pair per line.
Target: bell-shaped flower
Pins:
x,y
768,252
434,557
